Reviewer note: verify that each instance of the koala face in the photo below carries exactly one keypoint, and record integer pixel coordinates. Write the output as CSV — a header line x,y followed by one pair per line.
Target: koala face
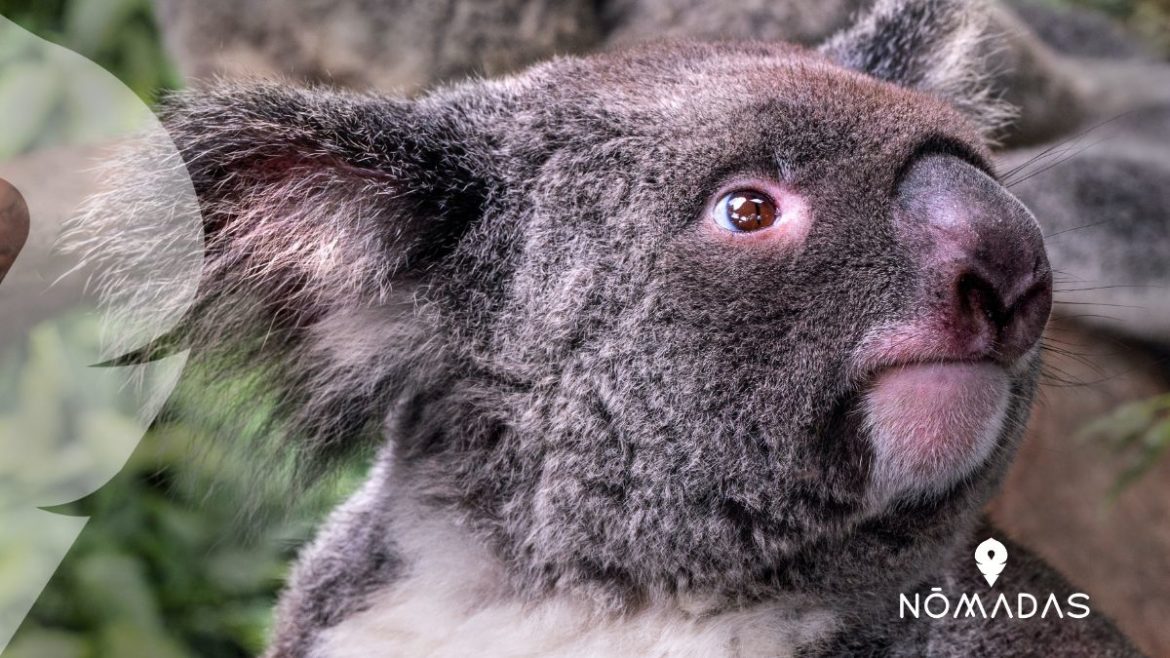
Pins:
x,y
726,318
741,323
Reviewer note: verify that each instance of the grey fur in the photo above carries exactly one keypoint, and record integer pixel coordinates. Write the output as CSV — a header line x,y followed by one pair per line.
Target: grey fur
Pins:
x,y
504,283
407,45
636,21
388,44
939,48
1079,31
1103,200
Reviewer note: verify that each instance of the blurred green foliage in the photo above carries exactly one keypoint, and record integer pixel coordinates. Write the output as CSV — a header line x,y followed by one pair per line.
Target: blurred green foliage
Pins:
x,y
119,35
1138,433
180,558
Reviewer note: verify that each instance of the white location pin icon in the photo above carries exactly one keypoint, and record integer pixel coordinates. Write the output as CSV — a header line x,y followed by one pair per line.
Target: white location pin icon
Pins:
x,y
991,557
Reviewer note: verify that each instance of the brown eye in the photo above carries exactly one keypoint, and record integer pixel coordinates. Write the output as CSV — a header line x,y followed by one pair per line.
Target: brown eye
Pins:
x,y
746,210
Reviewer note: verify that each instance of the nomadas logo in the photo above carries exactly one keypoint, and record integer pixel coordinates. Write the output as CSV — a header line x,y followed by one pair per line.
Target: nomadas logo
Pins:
x,y
991,557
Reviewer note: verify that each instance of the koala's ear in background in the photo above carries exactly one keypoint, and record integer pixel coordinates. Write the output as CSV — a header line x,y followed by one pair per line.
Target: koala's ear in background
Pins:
x,y
322,212
937,46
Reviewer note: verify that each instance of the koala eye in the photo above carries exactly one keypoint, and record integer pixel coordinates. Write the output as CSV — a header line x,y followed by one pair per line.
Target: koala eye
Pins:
x,y
743,211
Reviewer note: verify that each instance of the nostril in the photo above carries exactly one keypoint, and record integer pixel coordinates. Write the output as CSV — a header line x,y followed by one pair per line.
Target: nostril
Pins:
x,y
1005,315
1028,316
1040,294
980,300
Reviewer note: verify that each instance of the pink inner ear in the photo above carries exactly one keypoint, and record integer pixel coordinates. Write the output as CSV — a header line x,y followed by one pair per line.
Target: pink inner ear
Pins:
x,y
274,167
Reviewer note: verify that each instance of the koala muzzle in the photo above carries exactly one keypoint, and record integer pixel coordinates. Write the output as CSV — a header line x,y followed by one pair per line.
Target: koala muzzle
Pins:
x,y
984,275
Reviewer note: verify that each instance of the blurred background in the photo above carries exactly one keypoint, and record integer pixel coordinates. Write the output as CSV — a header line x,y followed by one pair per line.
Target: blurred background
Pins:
x,y
172,564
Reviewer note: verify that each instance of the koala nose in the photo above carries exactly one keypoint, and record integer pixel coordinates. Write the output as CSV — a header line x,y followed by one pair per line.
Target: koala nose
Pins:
x,y
985,278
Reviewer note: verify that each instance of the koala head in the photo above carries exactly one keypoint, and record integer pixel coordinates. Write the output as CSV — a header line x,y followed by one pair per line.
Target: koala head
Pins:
x,y
735,318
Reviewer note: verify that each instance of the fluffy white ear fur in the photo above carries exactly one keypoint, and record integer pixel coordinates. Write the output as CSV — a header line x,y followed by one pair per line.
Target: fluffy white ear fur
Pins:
x,y
943,47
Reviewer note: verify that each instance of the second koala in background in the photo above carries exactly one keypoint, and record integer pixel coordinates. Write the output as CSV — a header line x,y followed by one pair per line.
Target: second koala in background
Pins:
x,y
391,45
409,45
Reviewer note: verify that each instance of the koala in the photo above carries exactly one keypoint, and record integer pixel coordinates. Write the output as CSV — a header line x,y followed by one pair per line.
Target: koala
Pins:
x,y
682,349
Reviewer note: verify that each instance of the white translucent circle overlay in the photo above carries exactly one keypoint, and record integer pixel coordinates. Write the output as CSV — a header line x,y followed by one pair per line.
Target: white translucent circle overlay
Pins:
x,y
112,261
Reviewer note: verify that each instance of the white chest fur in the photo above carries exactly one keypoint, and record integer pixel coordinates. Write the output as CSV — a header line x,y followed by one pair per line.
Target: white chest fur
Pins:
x,y
450,604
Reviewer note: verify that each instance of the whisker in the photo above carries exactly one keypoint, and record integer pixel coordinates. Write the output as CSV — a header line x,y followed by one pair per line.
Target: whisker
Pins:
x,y
1063,303
1081,316
1059,148
1112,287
1077,228
1056,163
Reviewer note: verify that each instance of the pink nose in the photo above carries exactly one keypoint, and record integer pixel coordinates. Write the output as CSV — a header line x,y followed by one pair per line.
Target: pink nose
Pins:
x,y
985,276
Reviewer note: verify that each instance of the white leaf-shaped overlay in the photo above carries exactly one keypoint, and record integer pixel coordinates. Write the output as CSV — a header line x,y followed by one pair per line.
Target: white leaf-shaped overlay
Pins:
x,y
67,427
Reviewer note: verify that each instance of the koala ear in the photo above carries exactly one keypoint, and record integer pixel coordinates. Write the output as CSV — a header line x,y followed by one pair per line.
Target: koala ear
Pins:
x,y
937,46
322,212
326,183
